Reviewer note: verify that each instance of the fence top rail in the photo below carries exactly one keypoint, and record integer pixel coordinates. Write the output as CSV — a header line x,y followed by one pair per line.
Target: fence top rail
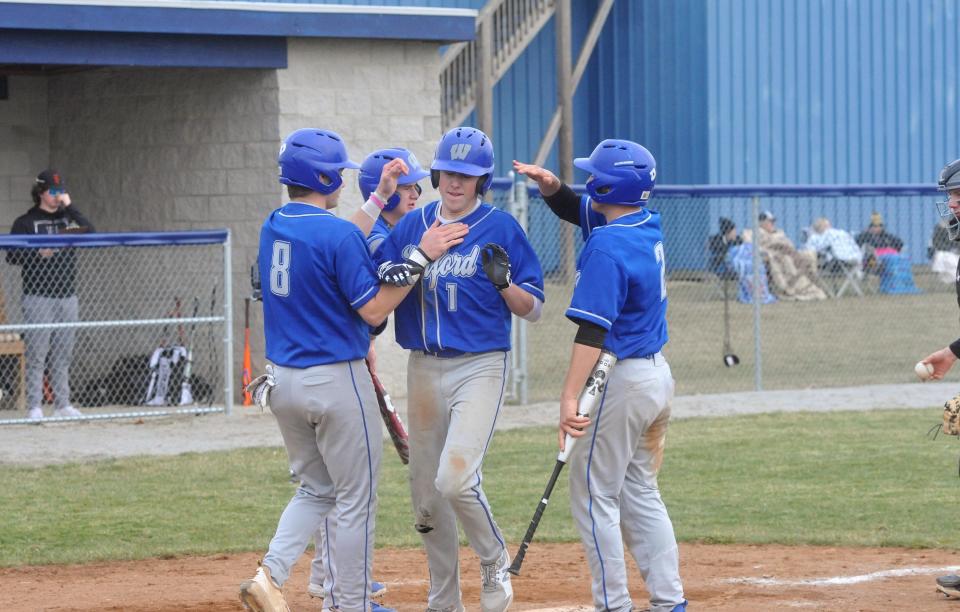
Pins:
x,y
748,190
218,236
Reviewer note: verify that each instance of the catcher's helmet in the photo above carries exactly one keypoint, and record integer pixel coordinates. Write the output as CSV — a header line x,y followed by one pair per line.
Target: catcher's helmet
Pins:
x,y
464,150
372,167
622,172
948,181
307,155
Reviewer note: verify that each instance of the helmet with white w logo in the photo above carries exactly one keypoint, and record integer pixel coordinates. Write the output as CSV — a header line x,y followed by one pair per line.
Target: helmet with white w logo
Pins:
x,y
464,150
312,159
372,168
621,172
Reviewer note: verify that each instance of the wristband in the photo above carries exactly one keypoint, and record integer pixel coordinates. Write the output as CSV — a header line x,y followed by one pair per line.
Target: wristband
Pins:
x,y
378,200
370,207
418,257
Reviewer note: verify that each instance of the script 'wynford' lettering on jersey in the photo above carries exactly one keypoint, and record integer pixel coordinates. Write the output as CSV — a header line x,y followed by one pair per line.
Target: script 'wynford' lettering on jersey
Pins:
x,y
452,264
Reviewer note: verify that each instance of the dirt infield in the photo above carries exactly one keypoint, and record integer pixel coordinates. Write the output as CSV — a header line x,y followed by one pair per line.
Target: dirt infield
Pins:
x,y
555,577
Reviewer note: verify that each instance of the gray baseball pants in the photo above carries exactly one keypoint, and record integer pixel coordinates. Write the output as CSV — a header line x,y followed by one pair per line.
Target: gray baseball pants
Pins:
x,y
453,407
613,487
330,423
57,343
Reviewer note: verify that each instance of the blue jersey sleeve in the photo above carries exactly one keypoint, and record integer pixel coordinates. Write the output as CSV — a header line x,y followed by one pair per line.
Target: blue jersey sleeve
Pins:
x,y
600,290
524,265
356,275
589,218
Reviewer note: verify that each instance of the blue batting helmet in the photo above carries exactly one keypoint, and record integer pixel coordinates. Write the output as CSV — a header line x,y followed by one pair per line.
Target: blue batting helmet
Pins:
x,y
622,172
309,156
372,168
464,150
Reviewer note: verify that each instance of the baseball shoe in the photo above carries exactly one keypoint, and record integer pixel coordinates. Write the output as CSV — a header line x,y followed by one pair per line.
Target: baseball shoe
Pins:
x,y
377,589
949,585
496,592
260,594
681,607
67,411
375,607
35,414
457,608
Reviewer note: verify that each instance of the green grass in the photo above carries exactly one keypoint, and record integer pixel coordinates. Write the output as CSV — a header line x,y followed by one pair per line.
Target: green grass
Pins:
x,y
854,479
851,341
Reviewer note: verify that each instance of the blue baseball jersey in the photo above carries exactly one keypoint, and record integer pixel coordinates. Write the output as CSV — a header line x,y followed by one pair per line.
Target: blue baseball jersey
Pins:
x,y
621,281
455,306
378,234
318,272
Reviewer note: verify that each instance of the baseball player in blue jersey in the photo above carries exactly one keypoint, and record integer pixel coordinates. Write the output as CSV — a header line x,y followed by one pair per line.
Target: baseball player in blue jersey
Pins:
x,y
323,570
620,305
322,295
456,324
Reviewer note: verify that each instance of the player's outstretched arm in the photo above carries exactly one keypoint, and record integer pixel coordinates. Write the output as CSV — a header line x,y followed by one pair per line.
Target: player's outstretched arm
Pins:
x,y
382,304
941,361
367,214
547,181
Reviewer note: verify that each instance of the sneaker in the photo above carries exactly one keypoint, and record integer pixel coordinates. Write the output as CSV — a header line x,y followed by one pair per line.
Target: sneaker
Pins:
x,y
377,589
375,607
35,414
681,607
497,592
949,585
260,594
67,411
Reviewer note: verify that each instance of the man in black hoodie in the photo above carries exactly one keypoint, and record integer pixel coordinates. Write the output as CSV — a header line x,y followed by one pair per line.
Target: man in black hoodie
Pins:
x,y
49,291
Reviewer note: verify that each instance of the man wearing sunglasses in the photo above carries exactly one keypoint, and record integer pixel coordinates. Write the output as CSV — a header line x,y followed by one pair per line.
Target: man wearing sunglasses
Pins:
x,y
49,292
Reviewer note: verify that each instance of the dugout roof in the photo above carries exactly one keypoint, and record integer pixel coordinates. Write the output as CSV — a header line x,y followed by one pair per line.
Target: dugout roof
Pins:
x,y
40,35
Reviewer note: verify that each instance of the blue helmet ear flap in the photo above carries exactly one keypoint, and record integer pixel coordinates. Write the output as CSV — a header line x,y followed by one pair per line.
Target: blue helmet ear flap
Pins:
x,y
435,178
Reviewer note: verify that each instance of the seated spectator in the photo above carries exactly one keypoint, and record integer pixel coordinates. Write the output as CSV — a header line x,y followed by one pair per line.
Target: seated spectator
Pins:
x,y
793,273
718,246
944,253
876,241
834,247
881,251
740,261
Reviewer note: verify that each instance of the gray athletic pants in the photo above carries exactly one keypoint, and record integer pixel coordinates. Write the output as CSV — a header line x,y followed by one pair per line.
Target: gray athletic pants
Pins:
x,y
330,423
453,406
55,343
613,487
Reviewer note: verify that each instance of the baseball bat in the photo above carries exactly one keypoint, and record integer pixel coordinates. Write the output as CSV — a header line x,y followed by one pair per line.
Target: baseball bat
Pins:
x,y
592,392
246,376
398,434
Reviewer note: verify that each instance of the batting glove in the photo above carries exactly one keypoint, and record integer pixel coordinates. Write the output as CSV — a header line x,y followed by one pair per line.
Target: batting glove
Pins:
x,y
399,274
260,388
496,263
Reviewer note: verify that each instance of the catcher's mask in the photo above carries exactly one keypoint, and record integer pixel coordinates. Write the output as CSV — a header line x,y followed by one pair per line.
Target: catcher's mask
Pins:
x,y
949,181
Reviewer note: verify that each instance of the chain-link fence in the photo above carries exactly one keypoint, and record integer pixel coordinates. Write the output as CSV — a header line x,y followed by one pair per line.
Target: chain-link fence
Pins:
x,y
842,291
115,325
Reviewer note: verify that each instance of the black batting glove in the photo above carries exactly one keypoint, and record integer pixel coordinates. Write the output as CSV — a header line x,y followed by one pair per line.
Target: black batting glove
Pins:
x,y
399,274
496,263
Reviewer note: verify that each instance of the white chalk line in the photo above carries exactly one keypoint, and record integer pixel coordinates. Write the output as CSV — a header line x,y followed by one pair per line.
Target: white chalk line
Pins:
x,y
845,580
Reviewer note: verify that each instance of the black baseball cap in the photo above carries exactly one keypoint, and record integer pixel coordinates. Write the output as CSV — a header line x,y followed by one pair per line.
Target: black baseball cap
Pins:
x,y
50,178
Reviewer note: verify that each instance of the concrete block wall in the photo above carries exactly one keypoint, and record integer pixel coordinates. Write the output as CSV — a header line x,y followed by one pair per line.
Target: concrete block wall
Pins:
x,y
24,144
176,149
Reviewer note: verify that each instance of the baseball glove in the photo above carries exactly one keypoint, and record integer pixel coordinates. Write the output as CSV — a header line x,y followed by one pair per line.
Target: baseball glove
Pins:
x,y
951,416
391,419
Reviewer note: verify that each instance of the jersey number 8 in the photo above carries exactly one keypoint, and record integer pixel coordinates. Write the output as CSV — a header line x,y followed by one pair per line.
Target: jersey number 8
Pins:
x,y
280,269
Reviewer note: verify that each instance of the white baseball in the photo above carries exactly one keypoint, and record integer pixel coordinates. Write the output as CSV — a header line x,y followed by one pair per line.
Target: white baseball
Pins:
x,y
923,370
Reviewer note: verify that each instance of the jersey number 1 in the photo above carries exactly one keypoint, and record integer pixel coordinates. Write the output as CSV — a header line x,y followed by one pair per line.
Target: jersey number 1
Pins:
x,y
280,269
